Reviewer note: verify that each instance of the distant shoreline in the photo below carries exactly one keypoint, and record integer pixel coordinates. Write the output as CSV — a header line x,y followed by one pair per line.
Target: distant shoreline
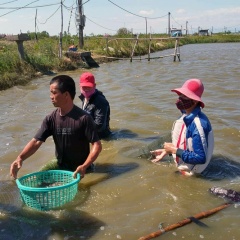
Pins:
x,y
42,55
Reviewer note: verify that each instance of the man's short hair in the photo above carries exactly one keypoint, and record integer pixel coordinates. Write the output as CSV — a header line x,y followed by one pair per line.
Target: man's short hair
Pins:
x,y
65,84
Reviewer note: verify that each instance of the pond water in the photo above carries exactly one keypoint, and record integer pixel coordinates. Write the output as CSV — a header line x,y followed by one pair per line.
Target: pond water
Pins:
x,y
127,196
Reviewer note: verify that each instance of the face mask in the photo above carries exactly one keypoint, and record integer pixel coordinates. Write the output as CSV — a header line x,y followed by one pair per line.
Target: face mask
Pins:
x,y
87,94
183,104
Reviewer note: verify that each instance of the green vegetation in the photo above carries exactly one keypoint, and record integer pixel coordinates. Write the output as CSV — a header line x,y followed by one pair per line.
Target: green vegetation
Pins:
x,y
42,52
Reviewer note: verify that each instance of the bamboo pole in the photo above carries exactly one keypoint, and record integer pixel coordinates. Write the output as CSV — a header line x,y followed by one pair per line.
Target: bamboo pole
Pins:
x,y
134,48
184,222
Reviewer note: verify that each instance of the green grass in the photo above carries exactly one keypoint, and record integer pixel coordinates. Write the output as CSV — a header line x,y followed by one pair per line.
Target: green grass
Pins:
x,y
42,56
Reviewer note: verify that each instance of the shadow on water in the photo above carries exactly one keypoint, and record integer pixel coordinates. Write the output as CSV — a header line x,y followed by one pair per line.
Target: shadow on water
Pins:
x,y
221,167
30,224
114,170
121,134
118,134
67,222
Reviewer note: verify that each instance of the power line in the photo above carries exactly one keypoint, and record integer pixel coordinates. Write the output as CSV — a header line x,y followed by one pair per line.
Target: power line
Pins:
x,y
134,13
18,8
101,26
50,15
175,20
70,8
47,5
8,2
66,7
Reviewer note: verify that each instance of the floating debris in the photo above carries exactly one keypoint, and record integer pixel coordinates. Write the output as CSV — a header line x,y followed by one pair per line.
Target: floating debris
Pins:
x,y
230,194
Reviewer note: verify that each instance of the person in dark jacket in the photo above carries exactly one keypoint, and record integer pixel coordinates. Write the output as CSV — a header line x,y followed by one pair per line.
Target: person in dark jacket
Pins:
x,y
95,103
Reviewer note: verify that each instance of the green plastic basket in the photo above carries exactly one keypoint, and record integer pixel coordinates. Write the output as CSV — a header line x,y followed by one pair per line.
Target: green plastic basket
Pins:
x,y
48,189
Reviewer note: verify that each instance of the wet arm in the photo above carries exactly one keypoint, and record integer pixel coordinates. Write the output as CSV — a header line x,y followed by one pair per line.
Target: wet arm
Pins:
x,y
28,151
95,151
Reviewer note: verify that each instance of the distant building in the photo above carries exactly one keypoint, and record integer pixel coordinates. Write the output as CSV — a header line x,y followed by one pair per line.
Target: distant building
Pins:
x,y
176,32
203,32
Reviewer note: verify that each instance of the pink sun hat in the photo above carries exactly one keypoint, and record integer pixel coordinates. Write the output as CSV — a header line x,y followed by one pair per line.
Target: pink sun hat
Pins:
x,y
192,88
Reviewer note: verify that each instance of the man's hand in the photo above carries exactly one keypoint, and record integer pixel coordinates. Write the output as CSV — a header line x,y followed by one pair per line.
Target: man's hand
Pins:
x,y
95,150
15,166
81,170
28,151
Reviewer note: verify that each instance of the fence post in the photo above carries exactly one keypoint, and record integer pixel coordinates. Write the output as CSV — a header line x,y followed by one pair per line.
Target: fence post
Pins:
x,y
176,50
107,45
134,49
149,47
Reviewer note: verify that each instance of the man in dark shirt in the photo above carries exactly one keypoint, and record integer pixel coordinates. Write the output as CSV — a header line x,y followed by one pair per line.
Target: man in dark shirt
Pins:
x,y
72,130
95,103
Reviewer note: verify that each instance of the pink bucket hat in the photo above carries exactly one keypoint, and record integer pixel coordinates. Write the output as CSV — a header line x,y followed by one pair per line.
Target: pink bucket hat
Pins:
x,y
192,88
87,80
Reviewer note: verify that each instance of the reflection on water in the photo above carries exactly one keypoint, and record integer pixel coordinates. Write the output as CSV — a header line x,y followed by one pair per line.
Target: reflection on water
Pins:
x,y
127,196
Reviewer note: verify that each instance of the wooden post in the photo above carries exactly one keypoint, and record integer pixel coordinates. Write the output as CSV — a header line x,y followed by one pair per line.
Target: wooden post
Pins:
x,y
176,50
107,45
60,46
134,49
149,47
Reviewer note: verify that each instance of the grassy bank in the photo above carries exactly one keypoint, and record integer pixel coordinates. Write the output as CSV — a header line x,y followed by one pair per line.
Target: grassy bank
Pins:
x,y
42,55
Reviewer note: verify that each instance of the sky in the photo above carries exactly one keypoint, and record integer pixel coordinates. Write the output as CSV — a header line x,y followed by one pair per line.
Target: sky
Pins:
x,y
108,16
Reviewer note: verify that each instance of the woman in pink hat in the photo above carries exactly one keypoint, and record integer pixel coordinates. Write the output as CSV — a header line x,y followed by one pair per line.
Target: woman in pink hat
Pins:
x,y
192,136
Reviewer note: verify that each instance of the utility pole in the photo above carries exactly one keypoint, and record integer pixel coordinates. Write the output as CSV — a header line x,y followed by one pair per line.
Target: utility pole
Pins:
x,y
36,26
186,28
61,33
81,23
169,24
146,26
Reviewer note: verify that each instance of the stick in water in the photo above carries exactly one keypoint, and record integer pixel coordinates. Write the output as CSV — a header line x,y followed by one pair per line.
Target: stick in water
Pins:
x,y
184,222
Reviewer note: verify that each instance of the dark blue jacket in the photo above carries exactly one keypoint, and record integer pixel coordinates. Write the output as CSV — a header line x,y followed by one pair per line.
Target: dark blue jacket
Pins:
x,y
98,107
